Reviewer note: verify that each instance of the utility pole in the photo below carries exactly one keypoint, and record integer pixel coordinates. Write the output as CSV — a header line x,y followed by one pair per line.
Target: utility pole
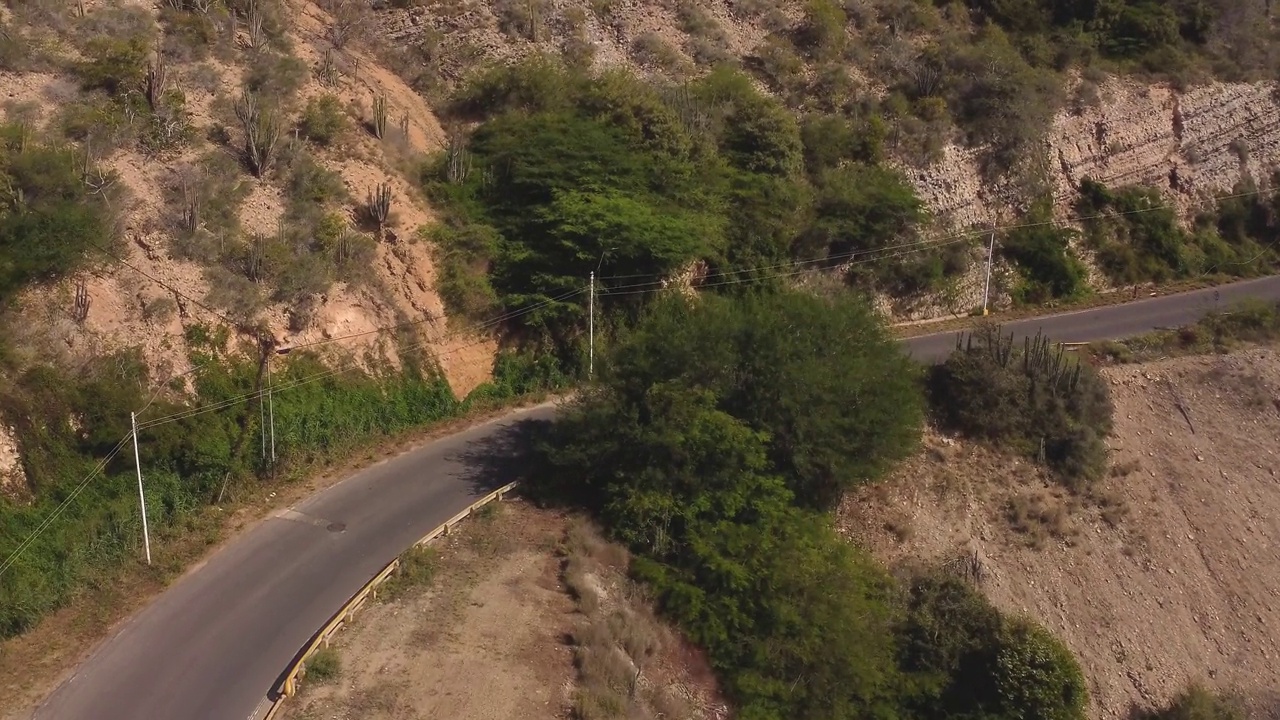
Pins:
x,y
271,412
591,325
142,499
986,290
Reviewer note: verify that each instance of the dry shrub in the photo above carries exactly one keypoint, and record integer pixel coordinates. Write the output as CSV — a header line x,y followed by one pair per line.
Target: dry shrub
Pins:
x,y
1039,515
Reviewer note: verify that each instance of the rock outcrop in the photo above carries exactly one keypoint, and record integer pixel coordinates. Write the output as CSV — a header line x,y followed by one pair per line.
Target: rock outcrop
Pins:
x,y
1190,145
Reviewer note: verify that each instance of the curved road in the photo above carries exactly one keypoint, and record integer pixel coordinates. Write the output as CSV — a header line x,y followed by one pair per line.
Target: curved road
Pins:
x,y
215,643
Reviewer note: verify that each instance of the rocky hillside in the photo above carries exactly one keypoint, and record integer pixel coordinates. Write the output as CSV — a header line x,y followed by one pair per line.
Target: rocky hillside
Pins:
x,y
1189,143
1162,575
163,284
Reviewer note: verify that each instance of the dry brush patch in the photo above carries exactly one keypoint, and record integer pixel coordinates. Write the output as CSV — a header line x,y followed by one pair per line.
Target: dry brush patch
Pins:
x,y
1158,575
520,612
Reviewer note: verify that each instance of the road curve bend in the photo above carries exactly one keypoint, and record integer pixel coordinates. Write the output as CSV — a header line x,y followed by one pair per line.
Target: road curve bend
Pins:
x,y
215,643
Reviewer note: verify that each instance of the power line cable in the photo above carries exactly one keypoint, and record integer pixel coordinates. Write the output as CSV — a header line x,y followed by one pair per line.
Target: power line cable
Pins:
x,y
331,372
57,512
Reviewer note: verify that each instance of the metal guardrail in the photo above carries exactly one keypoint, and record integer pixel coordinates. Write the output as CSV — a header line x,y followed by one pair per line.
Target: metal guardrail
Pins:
x,y
298,670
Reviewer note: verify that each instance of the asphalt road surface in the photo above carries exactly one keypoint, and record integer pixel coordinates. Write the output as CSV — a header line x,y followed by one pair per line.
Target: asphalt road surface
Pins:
x,y
217,642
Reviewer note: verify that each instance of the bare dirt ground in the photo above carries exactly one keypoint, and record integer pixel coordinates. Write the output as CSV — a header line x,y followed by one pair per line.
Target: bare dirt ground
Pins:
x,y
1168,574
522,613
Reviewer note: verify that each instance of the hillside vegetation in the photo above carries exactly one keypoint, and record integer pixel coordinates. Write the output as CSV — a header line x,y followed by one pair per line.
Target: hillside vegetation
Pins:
x,y
230,215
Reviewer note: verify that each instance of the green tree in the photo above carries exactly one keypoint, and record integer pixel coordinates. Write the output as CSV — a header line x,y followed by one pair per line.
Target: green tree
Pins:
x,y
860,208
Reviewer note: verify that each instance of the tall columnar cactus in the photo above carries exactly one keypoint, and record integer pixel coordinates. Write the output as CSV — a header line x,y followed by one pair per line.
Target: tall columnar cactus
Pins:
x,y
261,133
380,116
257,36
157,81
379,205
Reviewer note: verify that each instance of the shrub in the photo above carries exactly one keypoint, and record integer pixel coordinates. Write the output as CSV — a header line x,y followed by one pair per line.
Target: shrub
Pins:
x,y
1041,250
860,209
1137,236
823,31
1035,400
114,65
324,665
276,75
47,222
311,185
323,120
1198,703
464,255
651,49
1036,676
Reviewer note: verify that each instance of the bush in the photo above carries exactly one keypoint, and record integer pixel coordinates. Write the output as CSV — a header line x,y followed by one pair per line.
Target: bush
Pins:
x,y
1035,400
323,120
464,255
324,664
1198,703
1136,235
1041,250
713,427
1036,677
861,209
114,65
48,223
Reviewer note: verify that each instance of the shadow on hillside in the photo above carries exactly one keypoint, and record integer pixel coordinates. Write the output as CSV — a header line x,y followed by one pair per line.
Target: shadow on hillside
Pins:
x,y
501,457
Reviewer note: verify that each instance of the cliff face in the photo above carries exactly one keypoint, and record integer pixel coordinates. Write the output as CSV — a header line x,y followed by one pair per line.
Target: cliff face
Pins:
x,y
1189,144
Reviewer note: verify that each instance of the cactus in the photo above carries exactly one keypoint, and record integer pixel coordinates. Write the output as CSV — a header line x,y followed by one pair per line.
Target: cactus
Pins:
x,y
328,70
261,133
257,37
459,159
255,260
380,116
190,208
157,80
379,205
80,306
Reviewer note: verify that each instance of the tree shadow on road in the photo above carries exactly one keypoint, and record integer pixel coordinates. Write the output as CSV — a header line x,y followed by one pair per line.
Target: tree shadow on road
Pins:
x,y
504,456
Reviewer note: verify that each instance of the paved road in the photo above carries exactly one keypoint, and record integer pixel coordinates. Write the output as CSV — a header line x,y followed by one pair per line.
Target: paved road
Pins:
x,y
216,642
1115,321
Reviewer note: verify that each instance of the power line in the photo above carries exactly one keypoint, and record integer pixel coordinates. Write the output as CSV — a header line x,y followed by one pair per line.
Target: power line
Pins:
x,y
57,512
945,239
332,372
101,466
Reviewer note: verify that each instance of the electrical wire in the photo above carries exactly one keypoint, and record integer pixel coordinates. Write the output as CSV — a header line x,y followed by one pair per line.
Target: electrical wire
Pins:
x,y
333,372
57,512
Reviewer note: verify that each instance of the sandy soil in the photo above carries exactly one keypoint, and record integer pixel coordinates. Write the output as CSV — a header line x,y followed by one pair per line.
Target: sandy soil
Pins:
x,y
493,634
1169,575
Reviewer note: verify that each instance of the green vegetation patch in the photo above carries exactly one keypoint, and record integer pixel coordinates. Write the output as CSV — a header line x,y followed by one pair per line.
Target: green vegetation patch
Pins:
x,y
49,219
718,435
568,173
1034,399
1137,236
205,448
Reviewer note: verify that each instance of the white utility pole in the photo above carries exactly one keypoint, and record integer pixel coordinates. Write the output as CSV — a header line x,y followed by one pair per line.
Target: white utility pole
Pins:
x,y
986,291
271,411
142,499
591,325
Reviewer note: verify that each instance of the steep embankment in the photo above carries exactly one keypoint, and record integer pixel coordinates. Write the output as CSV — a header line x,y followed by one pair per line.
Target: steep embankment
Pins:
x,y
1167,576
1191,144
166,284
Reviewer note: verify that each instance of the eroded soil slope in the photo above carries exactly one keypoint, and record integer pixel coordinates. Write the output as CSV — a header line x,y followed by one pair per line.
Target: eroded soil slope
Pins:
x,y
523,613
1170,574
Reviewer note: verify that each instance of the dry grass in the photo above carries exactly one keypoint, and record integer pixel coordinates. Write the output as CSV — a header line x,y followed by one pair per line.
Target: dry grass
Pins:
x,y
619,643
1041,515
528,614
1163,574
